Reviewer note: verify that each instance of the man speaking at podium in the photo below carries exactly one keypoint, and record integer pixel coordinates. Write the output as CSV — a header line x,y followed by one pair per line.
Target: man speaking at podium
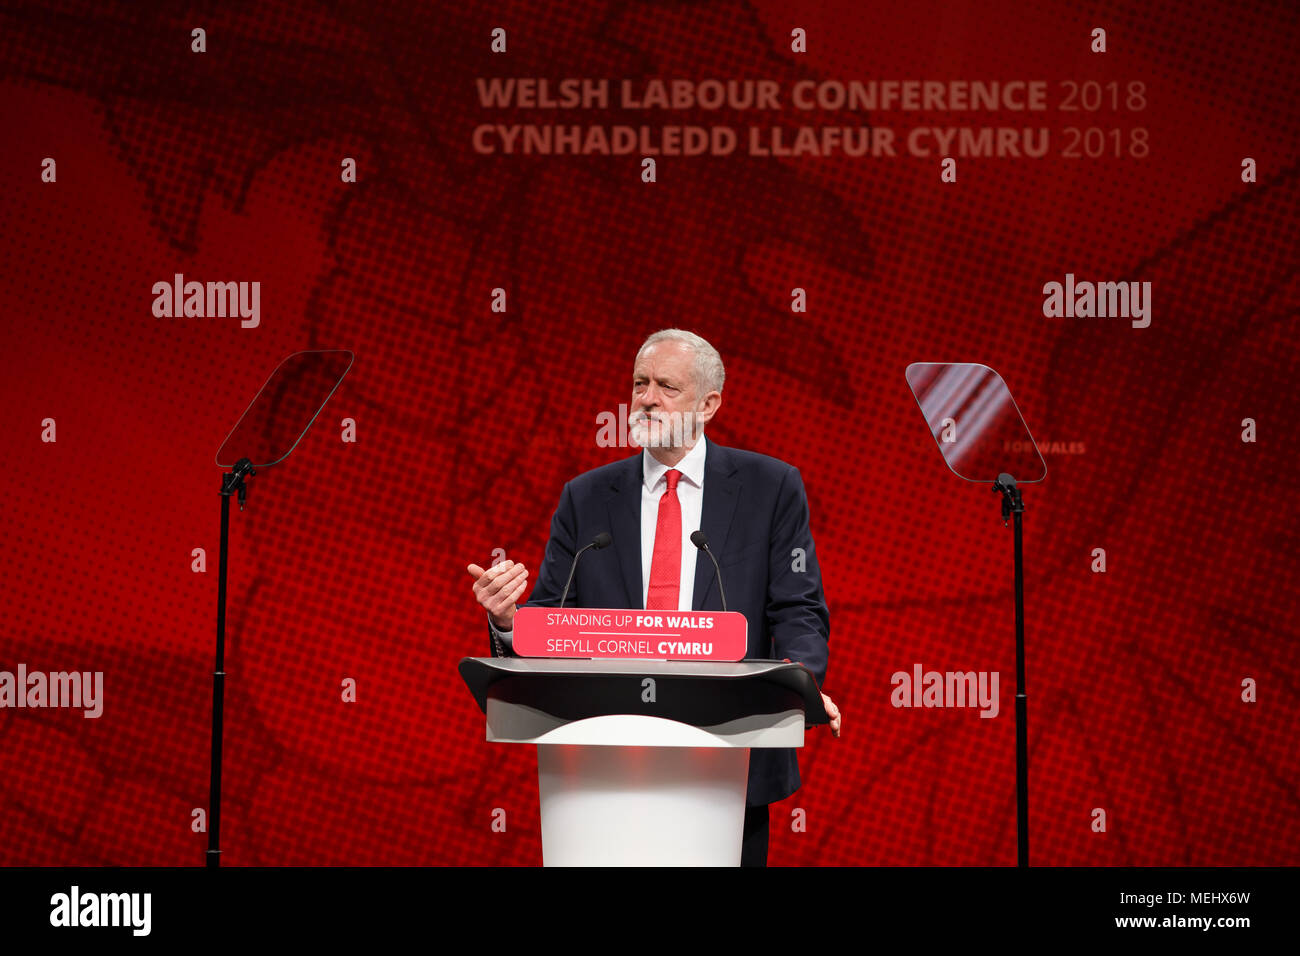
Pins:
x,y
752,510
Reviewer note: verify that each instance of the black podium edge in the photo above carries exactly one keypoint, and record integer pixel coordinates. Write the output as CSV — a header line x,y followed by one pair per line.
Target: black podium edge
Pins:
x,y
481,673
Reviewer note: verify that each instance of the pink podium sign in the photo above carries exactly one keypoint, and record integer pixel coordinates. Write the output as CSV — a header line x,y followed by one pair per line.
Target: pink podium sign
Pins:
x,y
623,632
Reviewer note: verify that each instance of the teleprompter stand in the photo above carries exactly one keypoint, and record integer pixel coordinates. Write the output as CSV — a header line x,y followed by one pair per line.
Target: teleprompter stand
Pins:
x,y
980,433
270,428
1014,505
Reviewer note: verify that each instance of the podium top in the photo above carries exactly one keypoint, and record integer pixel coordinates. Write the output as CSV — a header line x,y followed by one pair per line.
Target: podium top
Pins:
x,y
557,680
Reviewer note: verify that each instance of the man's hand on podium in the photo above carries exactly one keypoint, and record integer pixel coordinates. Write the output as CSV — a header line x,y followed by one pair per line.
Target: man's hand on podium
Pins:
x,y
498,588
833,712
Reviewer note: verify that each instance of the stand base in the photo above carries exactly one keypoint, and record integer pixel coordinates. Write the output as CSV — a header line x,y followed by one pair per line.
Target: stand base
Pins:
x,y
642,806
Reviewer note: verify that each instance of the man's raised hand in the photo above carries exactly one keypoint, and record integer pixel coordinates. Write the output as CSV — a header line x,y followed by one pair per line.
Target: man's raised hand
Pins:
x,y
498,588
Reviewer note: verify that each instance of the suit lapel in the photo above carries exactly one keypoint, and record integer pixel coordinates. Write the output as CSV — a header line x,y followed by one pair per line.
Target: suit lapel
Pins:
x,y
624,507
721,494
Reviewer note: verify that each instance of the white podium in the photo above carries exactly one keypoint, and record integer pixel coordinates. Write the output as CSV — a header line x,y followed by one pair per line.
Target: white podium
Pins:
x,y
639,762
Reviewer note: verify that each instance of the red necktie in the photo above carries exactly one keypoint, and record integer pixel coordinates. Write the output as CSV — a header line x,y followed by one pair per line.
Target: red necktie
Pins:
x,y
666,564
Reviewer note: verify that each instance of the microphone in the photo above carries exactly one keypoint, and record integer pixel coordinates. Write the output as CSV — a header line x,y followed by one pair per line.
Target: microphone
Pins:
x,y
602,540
701,541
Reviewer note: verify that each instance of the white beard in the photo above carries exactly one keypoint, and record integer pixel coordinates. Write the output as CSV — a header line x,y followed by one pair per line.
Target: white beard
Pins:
x,y
675,430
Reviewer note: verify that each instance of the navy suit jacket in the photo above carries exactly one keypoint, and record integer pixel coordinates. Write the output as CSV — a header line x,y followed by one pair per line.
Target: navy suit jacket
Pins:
x,y
755,513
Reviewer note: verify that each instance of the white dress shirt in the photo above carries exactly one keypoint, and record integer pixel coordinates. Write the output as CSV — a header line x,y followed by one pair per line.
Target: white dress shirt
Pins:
x,y
690,495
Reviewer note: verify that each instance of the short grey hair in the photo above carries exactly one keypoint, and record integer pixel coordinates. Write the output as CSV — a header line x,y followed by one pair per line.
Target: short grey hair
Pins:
x,y
709,373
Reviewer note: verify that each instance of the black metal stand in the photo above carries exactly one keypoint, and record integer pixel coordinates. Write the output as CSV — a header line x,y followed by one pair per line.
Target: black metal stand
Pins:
x,y
1014,506
231,483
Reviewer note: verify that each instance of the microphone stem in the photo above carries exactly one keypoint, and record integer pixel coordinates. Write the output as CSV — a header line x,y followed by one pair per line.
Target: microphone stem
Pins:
x,y
718,571
572,570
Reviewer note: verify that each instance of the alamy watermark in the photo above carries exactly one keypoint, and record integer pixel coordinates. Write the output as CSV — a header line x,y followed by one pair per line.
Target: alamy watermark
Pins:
x,y
641,429
946,689
79,689
181,299
75,908
1102,300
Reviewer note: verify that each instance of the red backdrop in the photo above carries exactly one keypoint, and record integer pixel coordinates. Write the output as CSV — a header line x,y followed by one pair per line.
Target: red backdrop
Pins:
x,y
350,561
